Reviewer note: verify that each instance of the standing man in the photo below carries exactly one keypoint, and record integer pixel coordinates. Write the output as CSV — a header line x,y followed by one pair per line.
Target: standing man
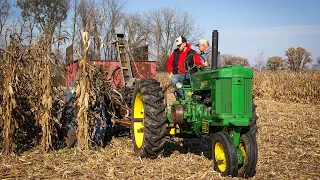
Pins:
x,y
177,61
206,54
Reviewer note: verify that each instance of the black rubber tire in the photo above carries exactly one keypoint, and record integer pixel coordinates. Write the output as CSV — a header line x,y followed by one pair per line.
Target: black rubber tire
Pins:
x,y
127,95
97,130
253,122
154,129
69,125
249,143
230,152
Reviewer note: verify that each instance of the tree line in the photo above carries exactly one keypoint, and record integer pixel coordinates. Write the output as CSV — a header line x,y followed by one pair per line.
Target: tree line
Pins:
x,y
63,20
297,59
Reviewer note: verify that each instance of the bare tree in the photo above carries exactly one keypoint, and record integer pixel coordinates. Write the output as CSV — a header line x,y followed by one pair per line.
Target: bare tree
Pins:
x,y
138,32
100,21
167,25
86,13
316,66
260,63
4,13
73,34
23,28
109,14
114,14
75,3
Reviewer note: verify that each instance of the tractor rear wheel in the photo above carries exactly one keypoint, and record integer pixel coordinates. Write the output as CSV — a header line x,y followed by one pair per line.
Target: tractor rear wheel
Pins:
x,y
249,150
224,154
148,119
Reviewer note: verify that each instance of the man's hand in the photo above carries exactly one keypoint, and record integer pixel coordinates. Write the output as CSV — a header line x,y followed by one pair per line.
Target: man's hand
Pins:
x,y
170,75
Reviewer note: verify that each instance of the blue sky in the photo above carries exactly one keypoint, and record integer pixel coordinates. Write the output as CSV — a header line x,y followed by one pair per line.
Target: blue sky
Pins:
x,y
245,26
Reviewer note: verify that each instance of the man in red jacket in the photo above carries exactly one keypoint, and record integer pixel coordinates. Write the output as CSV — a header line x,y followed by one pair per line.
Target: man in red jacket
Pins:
x,y
181,58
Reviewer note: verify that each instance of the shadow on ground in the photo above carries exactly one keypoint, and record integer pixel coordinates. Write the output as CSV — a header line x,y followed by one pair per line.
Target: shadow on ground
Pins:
x,y
199,146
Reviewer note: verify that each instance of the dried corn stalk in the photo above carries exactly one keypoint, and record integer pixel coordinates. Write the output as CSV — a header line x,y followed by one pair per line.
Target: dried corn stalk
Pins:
x,y
9,103
46,102
82,92
300,87
43,70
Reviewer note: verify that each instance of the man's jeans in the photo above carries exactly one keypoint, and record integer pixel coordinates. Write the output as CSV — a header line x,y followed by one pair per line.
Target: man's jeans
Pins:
x,y
179,78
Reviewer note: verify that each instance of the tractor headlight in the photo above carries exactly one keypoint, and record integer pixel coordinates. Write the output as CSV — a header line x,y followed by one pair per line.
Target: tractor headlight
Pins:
x,y
179,85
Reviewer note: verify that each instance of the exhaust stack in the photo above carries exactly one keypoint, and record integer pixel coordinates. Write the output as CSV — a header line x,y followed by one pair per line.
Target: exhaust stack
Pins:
x,y
215,52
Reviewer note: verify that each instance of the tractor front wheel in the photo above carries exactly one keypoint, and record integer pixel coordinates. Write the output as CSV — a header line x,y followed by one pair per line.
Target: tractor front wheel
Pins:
x,y
249,150
253,122
224,154
148,119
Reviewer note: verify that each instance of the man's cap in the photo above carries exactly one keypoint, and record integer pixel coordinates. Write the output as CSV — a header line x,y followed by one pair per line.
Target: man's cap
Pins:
x,y
202,41
180,40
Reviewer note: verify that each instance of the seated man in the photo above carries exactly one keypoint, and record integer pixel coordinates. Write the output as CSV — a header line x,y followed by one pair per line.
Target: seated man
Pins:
x,y
177,60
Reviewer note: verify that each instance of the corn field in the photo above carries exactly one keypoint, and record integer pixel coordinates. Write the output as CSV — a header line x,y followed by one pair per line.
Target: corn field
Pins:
x,y
33,94
298,87
32,97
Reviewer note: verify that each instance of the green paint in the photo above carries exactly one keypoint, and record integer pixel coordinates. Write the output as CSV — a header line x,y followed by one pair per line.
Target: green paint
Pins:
x,y
229,91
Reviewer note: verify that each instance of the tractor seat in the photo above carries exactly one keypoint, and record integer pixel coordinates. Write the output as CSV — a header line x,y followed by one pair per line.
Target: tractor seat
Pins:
x,y
186,82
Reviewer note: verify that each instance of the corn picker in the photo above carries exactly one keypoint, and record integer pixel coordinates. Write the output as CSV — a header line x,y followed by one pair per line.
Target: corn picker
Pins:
x,y
218,103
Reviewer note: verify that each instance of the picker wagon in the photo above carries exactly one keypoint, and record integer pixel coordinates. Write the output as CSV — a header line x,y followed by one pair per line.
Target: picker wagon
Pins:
x,y
217,102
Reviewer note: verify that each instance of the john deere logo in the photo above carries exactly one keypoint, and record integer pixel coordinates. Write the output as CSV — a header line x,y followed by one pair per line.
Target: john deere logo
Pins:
x,y
204,83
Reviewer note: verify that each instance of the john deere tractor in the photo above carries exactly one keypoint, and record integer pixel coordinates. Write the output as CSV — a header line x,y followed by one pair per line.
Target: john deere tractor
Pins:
x,y
218,103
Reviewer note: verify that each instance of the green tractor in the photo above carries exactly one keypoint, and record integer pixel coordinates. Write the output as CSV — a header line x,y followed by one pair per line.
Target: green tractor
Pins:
x,y
219,103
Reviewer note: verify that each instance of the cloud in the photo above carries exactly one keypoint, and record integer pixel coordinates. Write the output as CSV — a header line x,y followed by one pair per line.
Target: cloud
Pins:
x,y
280,31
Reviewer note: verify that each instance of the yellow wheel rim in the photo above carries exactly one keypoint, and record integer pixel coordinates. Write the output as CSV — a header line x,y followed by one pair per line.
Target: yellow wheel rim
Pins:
x,y
138,115
220,157
243,152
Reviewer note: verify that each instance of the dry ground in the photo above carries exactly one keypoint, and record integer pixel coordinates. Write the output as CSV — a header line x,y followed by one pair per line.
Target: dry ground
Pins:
x,y
288,142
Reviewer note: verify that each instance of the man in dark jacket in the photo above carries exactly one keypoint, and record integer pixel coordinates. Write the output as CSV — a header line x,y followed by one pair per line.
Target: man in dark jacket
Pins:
x,y
177,61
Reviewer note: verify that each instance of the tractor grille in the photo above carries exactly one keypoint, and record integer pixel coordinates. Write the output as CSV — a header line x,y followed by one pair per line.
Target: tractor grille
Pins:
x,y
224,95
247,96
225,91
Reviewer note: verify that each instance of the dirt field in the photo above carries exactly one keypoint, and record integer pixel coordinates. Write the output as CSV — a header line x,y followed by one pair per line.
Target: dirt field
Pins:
x,y
288,142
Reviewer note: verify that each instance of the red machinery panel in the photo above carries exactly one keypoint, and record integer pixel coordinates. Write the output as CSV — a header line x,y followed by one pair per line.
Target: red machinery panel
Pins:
x,y
140,69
